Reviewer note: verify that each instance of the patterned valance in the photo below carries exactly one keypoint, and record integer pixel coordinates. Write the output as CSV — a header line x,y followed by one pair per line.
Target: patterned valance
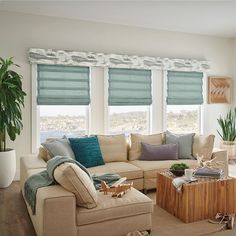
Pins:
x,y
62,57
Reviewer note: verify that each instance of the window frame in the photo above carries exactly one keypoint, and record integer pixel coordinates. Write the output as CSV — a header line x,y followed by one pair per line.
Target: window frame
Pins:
x,y
199,112
100,125
200,107
148,112
107,107
35,115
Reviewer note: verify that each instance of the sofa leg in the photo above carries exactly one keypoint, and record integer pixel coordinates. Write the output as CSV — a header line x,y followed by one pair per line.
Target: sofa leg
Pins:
x,y
149,231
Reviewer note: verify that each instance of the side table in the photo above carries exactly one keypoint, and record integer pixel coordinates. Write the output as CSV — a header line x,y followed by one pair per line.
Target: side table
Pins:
x,y
198,200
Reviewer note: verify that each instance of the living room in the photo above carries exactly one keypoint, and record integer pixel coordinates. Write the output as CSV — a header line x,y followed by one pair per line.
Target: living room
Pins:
x,y
171,33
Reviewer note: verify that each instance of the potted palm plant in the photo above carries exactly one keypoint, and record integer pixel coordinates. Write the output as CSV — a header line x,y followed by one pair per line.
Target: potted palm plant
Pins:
x,y
228,133
11,101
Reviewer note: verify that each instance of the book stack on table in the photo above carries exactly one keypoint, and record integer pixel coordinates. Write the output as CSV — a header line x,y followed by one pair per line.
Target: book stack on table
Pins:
x,y
208,172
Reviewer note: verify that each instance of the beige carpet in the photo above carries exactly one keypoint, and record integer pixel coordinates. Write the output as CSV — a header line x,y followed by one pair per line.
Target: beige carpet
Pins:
x,y
164,224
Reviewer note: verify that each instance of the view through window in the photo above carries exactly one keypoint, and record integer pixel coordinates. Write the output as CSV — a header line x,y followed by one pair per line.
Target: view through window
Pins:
x,y
183,118
56,121
127,119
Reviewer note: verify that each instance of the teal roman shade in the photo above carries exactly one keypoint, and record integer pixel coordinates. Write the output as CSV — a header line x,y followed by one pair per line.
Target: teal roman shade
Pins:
x,y
129,87
184,88
63,85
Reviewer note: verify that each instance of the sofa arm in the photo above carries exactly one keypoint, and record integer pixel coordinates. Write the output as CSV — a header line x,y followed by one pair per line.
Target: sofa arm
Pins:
x,y
55,212
220,155
29,162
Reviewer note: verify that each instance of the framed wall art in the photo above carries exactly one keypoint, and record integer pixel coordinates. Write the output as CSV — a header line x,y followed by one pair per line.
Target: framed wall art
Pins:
x,y
219,89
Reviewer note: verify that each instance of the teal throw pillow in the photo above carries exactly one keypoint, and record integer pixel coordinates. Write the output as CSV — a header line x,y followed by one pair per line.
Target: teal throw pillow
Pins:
x,y
87,151
184,141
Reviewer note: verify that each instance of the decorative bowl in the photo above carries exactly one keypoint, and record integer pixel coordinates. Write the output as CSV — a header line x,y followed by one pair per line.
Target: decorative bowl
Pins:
x,y
177,172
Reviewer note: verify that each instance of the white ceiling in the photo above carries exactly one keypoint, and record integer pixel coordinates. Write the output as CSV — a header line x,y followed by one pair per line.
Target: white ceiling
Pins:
x,y
216,18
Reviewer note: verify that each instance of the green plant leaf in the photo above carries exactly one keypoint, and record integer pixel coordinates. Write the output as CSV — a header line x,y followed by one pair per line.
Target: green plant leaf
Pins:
x,y
11,101
227,125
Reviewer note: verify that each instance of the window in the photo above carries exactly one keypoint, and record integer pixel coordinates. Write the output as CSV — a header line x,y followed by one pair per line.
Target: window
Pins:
x,y
184,97
57,121
129,100
183,118
127,119
63,95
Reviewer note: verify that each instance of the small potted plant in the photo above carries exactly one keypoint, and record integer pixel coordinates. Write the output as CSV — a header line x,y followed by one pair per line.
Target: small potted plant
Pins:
x,y
11,101
228,133
178,169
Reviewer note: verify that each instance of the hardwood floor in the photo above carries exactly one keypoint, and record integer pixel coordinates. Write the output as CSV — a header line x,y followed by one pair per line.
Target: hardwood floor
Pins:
x,y
14,218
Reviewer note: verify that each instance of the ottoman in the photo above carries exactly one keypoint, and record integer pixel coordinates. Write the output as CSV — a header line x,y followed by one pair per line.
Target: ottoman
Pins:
x,y
116,216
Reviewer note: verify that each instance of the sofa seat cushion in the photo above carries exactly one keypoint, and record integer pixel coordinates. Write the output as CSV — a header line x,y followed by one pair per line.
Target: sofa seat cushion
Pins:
x,y
131,204
150,168
124,169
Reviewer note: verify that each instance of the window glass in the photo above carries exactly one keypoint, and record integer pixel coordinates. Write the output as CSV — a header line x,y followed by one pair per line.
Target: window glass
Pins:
x,y
183,118
128,119
57,121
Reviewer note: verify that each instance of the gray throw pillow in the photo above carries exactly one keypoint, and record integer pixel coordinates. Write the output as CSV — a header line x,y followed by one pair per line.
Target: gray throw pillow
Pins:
x,y
150,152
184,141
59,147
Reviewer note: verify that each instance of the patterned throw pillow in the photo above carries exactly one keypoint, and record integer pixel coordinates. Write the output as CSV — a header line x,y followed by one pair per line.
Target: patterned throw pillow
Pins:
x,y
87,151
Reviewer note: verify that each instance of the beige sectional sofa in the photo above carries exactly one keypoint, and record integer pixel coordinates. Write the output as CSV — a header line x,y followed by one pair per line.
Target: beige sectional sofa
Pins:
x,y
143,173
56,211
58,215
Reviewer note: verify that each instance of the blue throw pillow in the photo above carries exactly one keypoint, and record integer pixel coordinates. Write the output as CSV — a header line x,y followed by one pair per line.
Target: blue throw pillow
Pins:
x,y
184,141
87,151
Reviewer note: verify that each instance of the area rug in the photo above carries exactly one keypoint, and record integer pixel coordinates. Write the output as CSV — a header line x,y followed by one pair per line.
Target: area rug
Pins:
x,y
165,224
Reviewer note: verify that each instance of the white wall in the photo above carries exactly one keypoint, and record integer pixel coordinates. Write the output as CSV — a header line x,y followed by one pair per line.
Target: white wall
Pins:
x,y
234,71
19,32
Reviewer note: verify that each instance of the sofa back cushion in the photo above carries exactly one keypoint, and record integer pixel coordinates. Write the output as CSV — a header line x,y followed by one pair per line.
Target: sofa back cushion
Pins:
x,y
113,147
203,146
136,139
71,177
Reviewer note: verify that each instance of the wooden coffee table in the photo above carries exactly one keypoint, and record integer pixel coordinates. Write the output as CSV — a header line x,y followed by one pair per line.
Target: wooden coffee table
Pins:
x,y
198,200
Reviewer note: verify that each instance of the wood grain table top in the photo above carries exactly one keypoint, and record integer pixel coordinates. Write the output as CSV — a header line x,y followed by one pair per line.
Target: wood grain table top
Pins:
x,y
200,180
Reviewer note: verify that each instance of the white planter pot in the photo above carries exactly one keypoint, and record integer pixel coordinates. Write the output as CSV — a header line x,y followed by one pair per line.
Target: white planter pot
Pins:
x,y
230,147
7,167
